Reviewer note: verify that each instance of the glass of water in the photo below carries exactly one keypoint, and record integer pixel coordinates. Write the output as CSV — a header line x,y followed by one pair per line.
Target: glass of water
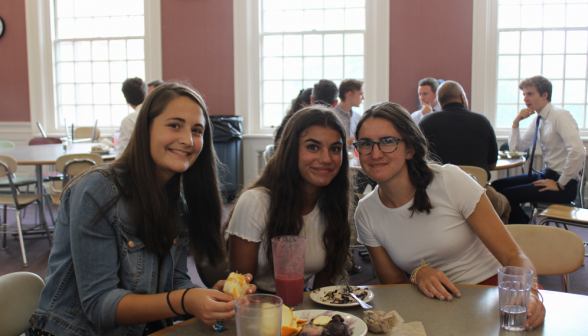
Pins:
x,y
258,314
514,288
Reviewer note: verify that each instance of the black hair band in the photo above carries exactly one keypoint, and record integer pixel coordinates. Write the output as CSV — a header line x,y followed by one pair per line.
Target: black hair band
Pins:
x,y
184,308
169,304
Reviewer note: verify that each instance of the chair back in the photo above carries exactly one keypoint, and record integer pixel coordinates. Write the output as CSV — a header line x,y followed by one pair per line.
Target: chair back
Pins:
x,y
73,164
7,162
7,144
44,141
19,297
479,173
43,134
551,250
268,153
87,133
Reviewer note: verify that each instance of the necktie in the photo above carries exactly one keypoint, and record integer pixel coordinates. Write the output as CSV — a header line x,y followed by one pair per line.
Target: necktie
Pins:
x,y
534,145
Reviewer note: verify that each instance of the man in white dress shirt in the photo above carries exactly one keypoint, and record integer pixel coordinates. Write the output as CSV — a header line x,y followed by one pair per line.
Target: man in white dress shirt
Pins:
x,y
556,131
135,91
428,97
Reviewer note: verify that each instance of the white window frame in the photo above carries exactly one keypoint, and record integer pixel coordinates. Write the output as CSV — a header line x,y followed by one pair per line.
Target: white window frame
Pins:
x,y
246,27
485,63
40,54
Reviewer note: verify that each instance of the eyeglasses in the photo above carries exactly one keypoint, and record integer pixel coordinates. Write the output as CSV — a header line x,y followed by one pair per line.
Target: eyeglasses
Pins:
x,y
386,145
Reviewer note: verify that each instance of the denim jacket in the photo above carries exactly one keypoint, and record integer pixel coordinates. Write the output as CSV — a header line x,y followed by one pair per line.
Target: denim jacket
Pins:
x,y
93,266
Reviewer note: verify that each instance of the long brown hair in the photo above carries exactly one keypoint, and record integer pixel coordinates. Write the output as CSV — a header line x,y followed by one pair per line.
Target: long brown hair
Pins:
x,y
155,212
419,171
283,181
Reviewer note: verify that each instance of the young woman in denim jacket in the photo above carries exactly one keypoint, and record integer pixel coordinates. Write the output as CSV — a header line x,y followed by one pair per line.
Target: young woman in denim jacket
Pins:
x,y
118,265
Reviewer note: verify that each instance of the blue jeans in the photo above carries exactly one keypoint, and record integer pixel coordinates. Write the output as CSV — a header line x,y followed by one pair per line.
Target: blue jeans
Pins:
x,y
520,189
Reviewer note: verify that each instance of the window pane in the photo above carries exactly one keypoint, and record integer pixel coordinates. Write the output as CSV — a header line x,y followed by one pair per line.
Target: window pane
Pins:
x,y
84,93
292,45
67,114
101,27
553,66
557,91
64,8
84,27
531,15
291,89
273,4
576,66
136,26
334,44
574,91
353,44
65,72
118,50
272,92
531,42
102,113
65,28
65,51
119,25
272,45
310,4
100,50
508,43
83,8
554,42
313,45
118,71
100,72
272,21
577,112
118,113
354,67
333,3
67,94
310,83
508,66
313,20
83,72
101,94
530,66
333,67
83,51
293,68
313,67
293,21
509,16
272,115
355,18
577,16
505,114
272,68
508,91
554,16
136,7
333,19
354,3
577,42
135,49
136,69
116,95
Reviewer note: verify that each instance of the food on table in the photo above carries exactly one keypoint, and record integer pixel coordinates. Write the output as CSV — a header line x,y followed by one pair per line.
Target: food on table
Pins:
x,y
312,330
379,321
322,320
341,295
336,327
291,325
236,285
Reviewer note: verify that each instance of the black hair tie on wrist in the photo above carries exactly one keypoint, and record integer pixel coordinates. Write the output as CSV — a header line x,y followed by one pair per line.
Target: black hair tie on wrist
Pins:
x,y
169,304
184,308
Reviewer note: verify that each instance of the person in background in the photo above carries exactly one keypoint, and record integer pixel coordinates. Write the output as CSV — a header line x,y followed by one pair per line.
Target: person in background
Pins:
x,y
153,84
433,222
135,91
298,103
325,93
118,265
303,191
563,152
428,97
351,95
463,138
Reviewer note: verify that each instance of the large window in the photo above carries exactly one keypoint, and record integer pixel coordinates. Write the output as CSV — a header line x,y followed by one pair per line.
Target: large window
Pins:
x,y
97,45
303,42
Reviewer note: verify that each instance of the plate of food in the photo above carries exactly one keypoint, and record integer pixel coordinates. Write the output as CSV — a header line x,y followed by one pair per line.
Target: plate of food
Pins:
x,y
100,149
510,155
335,323
338,296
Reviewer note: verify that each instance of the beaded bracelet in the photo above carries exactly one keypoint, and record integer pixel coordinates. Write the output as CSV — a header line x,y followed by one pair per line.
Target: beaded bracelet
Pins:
x,y
414,273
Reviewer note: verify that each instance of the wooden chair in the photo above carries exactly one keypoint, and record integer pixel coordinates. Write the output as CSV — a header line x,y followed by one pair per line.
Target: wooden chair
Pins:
x,y
268,153
19,201
552,251
565,215
92,133
70,165
19,297
478,173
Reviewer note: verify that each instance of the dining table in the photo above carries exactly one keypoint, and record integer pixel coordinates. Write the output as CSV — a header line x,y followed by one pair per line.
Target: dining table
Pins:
x,y
475,313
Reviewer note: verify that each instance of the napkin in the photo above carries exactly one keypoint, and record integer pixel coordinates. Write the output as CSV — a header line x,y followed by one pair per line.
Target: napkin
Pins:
x,y
409,329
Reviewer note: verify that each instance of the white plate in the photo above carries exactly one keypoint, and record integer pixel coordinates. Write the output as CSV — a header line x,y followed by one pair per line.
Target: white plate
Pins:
x,y
317,294
513,155
356,325
101,152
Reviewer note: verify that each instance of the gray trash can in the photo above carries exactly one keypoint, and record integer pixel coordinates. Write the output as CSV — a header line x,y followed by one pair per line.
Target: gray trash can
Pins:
x,y
227,134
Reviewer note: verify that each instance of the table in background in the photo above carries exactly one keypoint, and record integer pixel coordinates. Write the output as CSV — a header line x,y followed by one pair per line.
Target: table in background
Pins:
x,y
475,313
509,163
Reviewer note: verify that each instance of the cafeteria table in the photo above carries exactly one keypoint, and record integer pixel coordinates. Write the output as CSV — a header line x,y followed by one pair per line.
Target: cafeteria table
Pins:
x,y
475,313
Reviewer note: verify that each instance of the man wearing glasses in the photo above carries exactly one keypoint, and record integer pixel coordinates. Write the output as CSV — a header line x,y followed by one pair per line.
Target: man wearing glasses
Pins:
x,y
462,137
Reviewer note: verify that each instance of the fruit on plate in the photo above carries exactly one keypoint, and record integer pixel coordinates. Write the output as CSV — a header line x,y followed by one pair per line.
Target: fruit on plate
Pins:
x,y
236,285
291,325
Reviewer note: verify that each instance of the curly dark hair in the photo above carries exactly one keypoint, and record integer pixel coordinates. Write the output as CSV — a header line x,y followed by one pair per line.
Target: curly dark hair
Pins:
x,y
325,92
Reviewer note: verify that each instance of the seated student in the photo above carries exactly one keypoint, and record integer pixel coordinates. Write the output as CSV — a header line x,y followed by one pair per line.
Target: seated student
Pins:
x,y
304,191
151,85
118,265
135,91
298,103
351,95
423,211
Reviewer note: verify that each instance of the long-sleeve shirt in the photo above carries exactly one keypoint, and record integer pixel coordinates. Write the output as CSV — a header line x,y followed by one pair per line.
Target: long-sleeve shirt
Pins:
x,y
563,150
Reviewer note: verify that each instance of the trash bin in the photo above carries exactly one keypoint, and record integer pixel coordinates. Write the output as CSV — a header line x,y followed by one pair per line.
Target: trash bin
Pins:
x,y
227,135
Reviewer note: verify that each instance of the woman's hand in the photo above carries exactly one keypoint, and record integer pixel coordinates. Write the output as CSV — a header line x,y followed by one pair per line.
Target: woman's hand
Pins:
x,y
208,305
535,311
434,283
248,277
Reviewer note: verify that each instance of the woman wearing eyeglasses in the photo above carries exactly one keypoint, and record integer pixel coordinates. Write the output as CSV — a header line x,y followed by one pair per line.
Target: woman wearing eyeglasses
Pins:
x,y
424,212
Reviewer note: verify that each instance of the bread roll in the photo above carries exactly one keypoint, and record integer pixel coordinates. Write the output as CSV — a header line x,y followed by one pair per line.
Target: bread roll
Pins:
x,y
236,285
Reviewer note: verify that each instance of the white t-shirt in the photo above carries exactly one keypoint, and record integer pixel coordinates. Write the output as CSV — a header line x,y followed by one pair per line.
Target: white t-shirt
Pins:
x,y
127,126
249,221
443,238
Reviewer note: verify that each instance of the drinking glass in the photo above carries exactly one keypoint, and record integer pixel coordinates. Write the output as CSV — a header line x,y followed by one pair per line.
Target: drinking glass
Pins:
x,y
514,289
258,314
289,253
